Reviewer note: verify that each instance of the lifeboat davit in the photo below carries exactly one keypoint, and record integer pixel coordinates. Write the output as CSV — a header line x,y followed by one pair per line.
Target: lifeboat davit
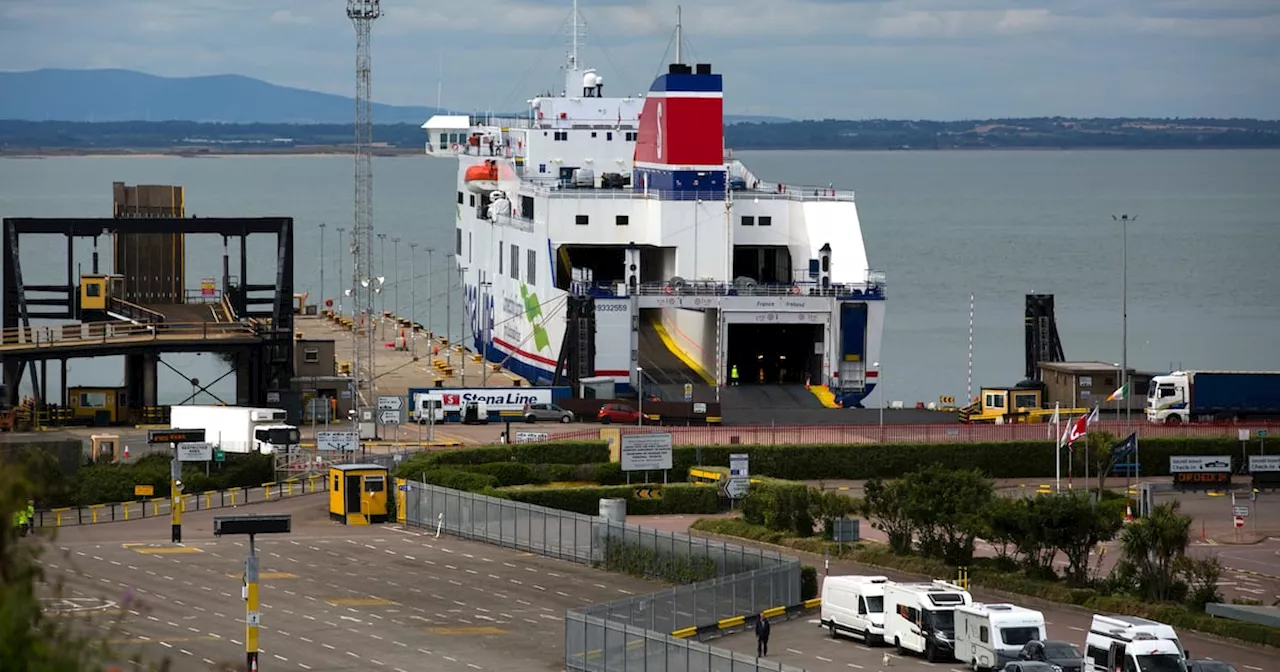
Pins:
x,y
482,178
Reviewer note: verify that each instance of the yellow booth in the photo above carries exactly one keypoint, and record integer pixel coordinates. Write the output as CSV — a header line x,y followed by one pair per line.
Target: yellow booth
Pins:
x,y
358,493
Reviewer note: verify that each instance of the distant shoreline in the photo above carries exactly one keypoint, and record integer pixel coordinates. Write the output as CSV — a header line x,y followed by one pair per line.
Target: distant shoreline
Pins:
x,y
335,151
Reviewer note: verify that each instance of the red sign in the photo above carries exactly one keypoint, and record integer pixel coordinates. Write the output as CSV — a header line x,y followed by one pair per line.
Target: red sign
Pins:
x,y
448,399
208,286
1239,522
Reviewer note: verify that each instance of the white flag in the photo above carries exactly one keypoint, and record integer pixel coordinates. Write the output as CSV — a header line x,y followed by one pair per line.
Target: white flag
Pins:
x,y
1053,421
1093,417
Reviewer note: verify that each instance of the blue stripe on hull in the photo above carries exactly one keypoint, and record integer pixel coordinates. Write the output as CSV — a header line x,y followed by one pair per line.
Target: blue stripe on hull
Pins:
x,y
854,398
537,376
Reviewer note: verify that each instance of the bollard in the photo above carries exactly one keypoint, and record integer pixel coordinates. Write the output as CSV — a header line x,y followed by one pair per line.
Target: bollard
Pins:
x,y
233,496
93,510
266,491
57,516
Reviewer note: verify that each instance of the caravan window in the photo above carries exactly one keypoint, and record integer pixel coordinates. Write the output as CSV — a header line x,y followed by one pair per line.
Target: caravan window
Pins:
x,y
1097,655
984,635
910,613
1018,636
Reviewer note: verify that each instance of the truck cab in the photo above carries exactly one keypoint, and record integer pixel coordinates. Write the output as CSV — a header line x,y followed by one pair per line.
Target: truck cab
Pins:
x,y
277,438
1146,653
1168,399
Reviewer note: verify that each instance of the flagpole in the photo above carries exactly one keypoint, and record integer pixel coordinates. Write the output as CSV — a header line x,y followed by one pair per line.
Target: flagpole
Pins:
x,y
1057,448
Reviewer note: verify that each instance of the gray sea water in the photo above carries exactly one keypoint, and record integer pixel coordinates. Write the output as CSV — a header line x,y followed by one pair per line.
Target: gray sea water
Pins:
x,y
1203,272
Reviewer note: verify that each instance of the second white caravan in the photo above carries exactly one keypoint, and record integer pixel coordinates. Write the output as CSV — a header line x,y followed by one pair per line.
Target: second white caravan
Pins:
x,y
854,605
990,635
920,617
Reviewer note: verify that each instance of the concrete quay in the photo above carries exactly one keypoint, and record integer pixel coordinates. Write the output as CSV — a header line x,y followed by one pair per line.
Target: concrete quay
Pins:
x,y
423,360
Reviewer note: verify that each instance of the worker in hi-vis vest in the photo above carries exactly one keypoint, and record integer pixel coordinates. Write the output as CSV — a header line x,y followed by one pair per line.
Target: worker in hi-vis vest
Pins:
x,y
733,375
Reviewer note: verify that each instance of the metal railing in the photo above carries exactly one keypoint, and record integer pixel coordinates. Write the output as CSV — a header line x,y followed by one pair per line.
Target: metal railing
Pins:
x,y
635,633
134,311
943,432
159,506
872,288
78,335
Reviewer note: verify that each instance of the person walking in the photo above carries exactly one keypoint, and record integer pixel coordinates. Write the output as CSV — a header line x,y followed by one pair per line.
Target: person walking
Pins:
x,y
733,375
762,636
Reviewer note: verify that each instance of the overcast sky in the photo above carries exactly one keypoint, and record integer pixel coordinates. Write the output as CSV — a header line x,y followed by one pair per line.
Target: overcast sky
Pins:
x,y
853,59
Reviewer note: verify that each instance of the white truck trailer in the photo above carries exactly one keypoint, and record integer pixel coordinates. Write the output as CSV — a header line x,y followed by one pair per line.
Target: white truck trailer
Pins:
x,y
237,429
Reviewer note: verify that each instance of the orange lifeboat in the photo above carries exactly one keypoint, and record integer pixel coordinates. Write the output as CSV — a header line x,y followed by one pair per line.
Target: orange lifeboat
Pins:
x,y
482,178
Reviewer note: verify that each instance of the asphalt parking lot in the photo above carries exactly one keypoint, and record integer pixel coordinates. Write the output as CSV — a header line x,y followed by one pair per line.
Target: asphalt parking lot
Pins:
x,y
804,643
332,597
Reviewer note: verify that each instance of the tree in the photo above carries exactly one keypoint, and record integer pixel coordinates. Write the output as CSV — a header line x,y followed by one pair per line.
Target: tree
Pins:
x,y
826,507
1075,525
1152,549
884,504
30,639
947,508
1202,576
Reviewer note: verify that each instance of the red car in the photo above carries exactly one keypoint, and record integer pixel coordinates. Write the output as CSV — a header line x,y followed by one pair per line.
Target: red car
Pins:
x,y
618,413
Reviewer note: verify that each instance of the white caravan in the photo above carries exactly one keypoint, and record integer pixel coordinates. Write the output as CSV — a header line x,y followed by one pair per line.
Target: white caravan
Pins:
x,y
920,617
1132,643
854,605
990,635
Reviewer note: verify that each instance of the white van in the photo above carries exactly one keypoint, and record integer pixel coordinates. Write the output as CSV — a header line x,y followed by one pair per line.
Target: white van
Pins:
x,y
990,635
1132,643
855,605
920,617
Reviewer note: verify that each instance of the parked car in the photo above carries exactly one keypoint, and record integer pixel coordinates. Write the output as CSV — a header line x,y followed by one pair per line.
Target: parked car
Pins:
x,y
1209,666
1055,652
618,413
536,412
1029,666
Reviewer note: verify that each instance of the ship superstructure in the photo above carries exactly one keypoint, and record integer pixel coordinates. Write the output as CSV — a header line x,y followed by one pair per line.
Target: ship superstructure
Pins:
x,y
697,267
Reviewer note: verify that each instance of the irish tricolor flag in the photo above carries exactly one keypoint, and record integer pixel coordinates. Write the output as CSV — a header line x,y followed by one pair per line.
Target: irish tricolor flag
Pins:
x,y
1120,394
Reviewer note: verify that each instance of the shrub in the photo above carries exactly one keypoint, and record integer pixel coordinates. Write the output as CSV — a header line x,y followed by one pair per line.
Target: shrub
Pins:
x,y
639,560
782,507
507,473
676,498
808,582
459,480
107,483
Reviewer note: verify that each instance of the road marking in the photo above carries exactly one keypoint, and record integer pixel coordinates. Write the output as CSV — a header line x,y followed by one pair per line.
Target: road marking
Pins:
x,y
825,660
472,630
169,550
1075,628
854,666
798,653
360,602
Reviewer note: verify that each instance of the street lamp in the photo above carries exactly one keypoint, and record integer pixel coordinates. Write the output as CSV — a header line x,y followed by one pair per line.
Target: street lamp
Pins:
x,y
322,251
1124,311
640,393
382,240
395,243
413,300
342,230
880,384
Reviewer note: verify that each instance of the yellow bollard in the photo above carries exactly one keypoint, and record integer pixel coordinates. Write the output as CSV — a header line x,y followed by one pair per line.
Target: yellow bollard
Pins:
x,y
94,511
266,491
289,488
232,492
208,500
126,510
155,507
57,516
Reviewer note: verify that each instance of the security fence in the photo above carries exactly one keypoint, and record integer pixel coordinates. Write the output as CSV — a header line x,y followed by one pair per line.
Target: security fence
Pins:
x,y
635,633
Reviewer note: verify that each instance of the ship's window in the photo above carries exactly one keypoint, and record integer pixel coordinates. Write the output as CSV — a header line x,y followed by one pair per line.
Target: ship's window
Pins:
x,y
533,267
311,355
623,220
593,134
500,261
580,220
608,136
470,247
473,200
631,137
748,220
459,198
765,221
542,167
515,262
458,242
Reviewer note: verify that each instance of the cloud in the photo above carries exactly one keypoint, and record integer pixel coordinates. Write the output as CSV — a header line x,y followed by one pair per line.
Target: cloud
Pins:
x,y
799,58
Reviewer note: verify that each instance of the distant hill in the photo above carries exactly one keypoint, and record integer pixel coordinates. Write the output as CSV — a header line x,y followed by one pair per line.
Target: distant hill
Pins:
x,y
126,95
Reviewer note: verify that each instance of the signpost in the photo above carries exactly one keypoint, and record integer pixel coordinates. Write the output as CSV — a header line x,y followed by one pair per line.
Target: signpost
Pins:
x,y
530,437
195,451
251,525
1200,472
344,442
389,417
1240,511
739,482
391,412
173,437
646,452
390,403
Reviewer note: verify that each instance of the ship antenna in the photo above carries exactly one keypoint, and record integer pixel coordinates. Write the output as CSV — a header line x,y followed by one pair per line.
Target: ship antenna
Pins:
x,y
679,37
573,57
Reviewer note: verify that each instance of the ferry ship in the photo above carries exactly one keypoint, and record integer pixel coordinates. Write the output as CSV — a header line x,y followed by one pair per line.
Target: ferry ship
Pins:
x,y
621,234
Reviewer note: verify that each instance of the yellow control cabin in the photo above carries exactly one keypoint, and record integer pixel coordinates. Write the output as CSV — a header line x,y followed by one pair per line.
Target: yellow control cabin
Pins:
x,y
95,295
358,493
98,406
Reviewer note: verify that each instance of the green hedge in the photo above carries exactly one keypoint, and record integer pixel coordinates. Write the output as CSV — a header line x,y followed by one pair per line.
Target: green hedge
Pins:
x,y
808,583
106,483
459,480
1004,459
780,506
984,573
645,562
676,498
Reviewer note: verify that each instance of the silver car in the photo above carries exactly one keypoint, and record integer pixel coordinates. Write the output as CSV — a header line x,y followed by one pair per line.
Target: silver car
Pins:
x,y
536,412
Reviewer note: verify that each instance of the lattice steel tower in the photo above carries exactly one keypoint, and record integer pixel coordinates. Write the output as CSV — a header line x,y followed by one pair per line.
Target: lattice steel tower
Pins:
x,y
362,14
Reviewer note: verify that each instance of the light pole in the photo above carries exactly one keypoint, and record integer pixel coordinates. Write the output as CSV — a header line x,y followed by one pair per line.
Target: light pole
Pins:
x,y
322,251
395,247
413,300
431,252
484,330
640,393
448,309
1124,311
880,384
342,230
382,267
462,326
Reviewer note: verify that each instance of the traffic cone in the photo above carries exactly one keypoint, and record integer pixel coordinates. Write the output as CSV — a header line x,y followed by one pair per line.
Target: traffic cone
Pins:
x,y
126,452
1128,513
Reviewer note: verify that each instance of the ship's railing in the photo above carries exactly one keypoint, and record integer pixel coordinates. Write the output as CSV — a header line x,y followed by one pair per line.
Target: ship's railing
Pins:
x,y
549,123
555,188
518,223
873,287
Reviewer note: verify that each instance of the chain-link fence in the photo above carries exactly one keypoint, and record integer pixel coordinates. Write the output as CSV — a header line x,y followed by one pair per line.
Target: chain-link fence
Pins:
x,y
729,580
